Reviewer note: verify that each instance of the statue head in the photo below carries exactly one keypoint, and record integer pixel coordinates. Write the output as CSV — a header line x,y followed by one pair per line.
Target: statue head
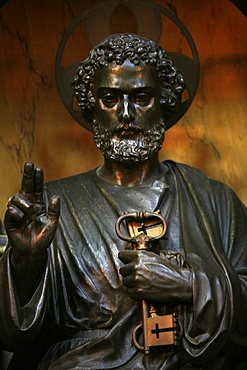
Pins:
x,y
144,60
117,48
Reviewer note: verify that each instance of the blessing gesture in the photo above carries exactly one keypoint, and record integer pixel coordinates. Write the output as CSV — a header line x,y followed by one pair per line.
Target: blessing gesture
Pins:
x,y
29,227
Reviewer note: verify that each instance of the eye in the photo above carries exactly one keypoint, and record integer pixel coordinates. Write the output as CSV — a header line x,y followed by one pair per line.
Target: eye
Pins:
x,y
143,99
109,100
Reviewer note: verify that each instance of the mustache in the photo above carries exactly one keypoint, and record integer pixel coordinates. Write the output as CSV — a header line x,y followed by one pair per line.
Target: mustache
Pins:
x,y
134,127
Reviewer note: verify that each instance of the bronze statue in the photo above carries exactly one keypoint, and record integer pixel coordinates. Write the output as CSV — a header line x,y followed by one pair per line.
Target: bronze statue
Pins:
x,y
70,289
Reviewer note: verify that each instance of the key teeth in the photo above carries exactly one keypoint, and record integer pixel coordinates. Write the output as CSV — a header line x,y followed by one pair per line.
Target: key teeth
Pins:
x,y
176,329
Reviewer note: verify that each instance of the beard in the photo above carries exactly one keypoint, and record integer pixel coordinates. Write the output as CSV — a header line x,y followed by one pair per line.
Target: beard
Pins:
x,y
130,151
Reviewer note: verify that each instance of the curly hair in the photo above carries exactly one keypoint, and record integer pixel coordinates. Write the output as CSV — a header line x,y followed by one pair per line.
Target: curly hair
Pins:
x,y
115,49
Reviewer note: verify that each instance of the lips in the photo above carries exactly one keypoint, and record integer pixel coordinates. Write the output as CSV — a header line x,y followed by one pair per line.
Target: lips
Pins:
x,y
127,131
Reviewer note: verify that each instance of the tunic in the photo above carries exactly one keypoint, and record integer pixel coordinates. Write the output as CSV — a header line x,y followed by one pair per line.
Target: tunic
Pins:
x,y
81,317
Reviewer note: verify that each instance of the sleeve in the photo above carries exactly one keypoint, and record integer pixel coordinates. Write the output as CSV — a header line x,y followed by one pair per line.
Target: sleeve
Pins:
x,y
232,216
213,230
19,325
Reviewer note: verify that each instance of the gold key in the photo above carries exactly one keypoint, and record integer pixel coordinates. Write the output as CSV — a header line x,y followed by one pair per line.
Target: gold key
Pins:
x,y
144,228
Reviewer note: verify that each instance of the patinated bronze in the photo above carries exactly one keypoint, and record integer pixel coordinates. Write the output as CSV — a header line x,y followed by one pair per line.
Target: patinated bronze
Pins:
x,y
71,289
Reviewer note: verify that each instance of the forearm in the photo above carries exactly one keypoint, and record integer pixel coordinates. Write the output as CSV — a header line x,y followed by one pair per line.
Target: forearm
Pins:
x,y
20,325
27,272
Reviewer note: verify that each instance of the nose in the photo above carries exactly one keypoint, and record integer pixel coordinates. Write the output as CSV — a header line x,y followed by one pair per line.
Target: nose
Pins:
x,y
127,110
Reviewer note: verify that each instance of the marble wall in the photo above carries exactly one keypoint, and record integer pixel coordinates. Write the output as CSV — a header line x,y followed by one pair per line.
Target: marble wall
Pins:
x,y
36,126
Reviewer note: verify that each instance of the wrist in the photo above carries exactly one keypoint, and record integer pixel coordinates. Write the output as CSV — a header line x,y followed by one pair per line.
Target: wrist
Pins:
x,y
187,291
22,261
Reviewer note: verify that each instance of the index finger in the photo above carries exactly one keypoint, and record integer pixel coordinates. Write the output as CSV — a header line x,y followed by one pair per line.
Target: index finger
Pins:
x,y
128,255
27,184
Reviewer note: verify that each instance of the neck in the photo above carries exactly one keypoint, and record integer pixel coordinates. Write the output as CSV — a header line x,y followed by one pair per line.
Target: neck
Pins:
x,y
140,173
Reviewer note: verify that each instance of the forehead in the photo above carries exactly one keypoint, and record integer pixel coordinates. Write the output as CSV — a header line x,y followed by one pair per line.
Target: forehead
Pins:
x,y
126,77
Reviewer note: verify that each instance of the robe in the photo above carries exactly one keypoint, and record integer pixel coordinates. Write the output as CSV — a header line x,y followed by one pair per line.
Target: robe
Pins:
x,y
81,317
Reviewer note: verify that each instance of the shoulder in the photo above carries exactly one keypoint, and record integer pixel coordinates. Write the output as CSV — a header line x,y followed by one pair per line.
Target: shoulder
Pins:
x,y
196,181
71,183
209,196
190,172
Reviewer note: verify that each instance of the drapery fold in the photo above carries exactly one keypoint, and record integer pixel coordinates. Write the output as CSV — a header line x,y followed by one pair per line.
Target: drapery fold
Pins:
x,y
81,290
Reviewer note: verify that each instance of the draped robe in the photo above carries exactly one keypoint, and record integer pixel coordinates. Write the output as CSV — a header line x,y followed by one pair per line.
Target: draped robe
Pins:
x,y
81,317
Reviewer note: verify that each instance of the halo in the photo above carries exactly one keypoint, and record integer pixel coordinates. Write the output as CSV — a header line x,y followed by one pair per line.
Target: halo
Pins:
x,y
148,18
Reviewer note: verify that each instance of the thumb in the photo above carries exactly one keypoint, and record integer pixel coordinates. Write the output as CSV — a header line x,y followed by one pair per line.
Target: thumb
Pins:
x,y
54,208
50,222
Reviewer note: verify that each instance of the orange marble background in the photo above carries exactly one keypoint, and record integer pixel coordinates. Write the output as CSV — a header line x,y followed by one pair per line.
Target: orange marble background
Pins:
x,y
35,125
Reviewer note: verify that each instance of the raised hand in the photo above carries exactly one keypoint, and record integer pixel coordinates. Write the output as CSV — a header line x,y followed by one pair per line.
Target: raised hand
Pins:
x,y
147,275
30,229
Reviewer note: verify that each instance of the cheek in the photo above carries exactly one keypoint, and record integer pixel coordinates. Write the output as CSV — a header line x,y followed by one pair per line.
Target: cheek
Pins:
x,y
149,116
105,116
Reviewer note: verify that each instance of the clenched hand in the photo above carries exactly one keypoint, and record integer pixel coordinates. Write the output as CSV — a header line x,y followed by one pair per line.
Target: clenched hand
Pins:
x,y
147,275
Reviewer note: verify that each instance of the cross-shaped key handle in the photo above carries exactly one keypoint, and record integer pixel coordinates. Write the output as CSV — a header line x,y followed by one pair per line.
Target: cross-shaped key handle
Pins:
x,y
142,240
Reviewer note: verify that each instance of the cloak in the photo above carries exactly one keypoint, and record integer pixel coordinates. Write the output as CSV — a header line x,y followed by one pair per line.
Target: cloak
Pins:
x,y
81,317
